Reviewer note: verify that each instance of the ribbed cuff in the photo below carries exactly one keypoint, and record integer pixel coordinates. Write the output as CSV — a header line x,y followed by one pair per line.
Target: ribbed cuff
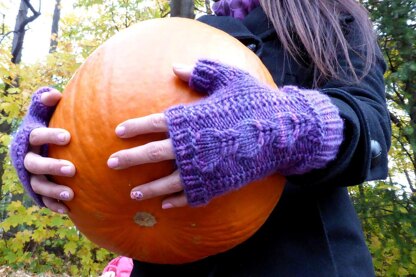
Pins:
x,y
181,135
18,150
328,123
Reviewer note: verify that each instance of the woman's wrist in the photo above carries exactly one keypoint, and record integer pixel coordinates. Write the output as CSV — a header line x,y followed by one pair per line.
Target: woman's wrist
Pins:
x,y
244,131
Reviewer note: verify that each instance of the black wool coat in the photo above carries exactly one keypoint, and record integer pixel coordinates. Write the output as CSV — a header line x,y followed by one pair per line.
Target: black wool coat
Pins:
x,y
314,229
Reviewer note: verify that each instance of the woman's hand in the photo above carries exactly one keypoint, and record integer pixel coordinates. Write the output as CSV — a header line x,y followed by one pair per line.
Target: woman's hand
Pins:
x,y
153,152
39,166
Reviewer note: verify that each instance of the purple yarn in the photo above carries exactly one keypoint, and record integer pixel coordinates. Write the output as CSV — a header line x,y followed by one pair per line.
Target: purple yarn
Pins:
x,y
234,8
244,131
38,116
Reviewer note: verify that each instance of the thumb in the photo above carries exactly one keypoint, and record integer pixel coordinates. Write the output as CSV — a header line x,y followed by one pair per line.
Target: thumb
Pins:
x,y
51,98
210,76
183,71
43,103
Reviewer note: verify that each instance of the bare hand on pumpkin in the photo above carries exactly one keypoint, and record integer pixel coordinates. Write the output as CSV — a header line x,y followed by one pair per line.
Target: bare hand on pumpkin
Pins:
x,y
157,151
39,166
53,194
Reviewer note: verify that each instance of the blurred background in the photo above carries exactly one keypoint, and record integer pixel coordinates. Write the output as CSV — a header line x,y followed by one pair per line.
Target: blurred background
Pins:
x,y
42,43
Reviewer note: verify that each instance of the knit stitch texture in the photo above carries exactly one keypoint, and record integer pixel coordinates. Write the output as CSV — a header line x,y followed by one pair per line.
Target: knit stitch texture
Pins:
x,y
38,116
234,8
244,131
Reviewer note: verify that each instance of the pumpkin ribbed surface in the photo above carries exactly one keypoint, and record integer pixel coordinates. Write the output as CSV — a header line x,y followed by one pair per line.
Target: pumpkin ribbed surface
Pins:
x,y
131,76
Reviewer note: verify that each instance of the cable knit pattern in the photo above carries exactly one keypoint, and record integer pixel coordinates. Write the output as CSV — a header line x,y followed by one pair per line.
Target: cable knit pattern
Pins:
x,y
234,8
244,131
38,116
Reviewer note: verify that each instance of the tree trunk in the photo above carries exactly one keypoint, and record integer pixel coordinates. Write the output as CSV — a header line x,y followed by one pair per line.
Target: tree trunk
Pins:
x,y
55,27
182,8
22,20
19,30
19,33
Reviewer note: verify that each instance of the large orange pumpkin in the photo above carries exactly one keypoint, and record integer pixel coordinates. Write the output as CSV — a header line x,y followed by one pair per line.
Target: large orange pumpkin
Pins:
x,y
130,76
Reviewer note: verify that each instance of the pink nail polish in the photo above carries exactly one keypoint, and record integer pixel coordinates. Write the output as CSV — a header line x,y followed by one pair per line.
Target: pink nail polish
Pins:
x,y
61,211
64,195
167,206
137,195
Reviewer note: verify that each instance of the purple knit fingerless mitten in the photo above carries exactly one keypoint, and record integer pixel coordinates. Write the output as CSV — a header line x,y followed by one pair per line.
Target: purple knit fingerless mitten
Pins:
x,y
234,8
38,116
244,131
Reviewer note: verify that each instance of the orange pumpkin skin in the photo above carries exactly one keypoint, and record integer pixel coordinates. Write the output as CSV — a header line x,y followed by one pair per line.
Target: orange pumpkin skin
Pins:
x,y
131,76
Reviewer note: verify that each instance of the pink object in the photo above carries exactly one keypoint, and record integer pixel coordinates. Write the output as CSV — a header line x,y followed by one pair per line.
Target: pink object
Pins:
x,y
121,266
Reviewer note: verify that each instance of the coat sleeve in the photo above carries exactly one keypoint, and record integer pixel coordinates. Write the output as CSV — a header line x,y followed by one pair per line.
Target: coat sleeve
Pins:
x,y
367,132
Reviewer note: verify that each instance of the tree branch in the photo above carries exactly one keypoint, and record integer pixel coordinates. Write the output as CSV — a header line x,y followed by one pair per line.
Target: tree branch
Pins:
x,y
410,156
20,31
409,181
29,5
31,18
5,35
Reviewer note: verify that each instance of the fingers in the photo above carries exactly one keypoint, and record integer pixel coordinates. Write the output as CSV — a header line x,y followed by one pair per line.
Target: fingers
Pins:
x,y
50,98
153,123
42,186
152,152
164,186
210,76
41,136
175,201
43,103
37,164
51,193
55,205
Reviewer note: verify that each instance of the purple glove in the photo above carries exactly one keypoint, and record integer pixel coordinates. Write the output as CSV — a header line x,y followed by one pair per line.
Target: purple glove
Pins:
x,y
38,116
244,131
234,8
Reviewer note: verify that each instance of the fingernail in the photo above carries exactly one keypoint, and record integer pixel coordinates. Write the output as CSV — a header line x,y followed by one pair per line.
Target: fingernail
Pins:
x,y
62,137
112,162
120,130
61,211
43,96
182,67
66,169
64,195
137,195
167,206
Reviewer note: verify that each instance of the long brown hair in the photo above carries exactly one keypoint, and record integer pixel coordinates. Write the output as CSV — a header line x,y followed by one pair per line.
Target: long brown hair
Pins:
x,y
314,26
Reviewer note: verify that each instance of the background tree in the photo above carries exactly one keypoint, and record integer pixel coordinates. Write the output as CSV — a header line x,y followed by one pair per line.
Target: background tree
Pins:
x,y
22,20
396,25
39,241
11,79
182,8
55,27
387,208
